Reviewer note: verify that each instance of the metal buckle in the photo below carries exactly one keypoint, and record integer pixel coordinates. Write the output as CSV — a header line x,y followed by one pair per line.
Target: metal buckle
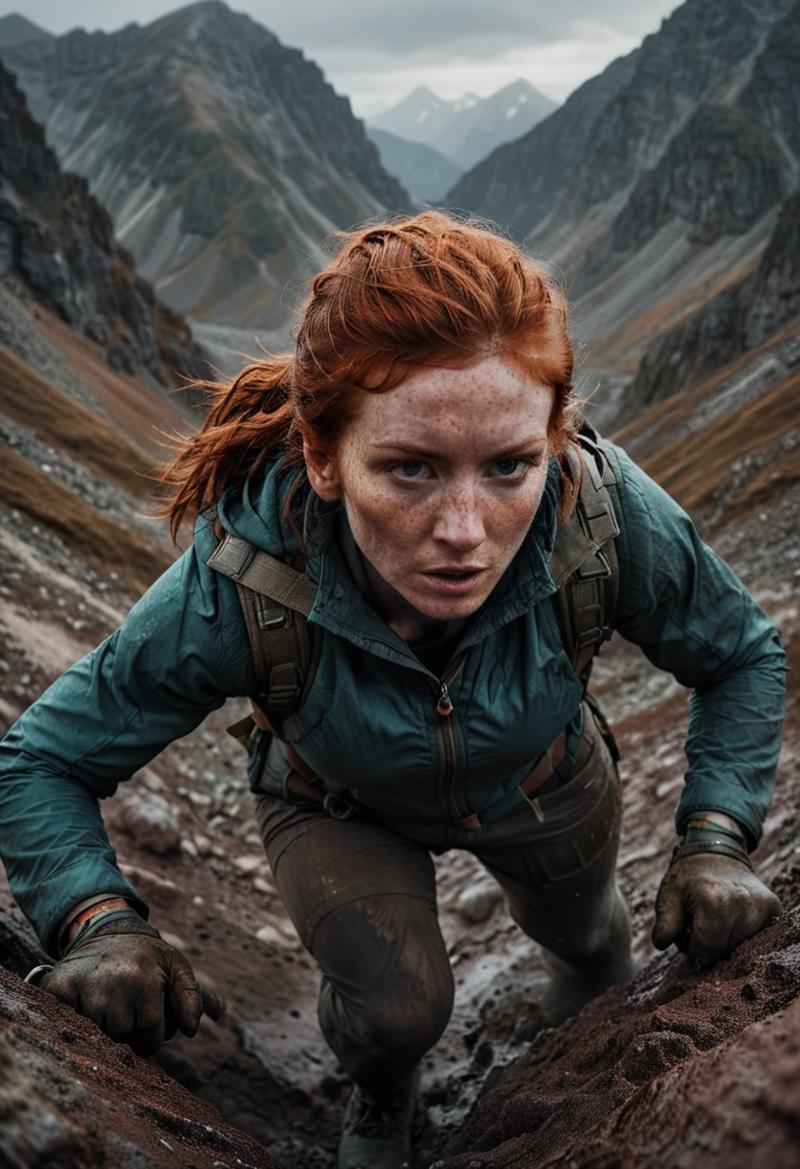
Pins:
x,y
337,806
33,976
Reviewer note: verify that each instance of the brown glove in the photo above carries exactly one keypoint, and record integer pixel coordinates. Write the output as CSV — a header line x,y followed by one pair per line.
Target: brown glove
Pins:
x,y
710,899
120,974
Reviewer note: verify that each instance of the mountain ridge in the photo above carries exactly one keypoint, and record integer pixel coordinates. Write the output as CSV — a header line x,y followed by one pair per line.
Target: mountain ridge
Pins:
x,y
223,156
468,128
57,242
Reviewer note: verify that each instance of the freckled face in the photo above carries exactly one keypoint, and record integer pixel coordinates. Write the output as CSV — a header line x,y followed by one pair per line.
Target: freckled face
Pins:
x,y
440,478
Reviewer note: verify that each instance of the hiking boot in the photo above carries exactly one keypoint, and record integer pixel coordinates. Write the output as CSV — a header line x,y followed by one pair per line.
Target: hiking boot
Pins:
x,y
376,1132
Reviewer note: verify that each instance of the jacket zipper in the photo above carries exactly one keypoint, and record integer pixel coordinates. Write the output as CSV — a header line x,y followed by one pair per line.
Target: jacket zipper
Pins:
x,y
444,709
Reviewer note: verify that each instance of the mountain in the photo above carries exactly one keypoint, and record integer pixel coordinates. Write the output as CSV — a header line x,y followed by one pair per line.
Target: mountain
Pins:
x,y
518,184
423,171
508,114
57,245
658,183
613,130
421,116
18,30
223,157
730,325
468,128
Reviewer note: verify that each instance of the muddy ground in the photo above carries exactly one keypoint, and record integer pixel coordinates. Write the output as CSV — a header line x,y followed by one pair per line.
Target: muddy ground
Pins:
x,y
679,1069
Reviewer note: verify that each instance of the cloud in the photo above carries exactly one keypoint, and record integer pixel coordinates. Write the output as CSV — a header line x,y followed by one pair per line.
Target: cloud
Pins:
x,y
376,52
471,28
376,81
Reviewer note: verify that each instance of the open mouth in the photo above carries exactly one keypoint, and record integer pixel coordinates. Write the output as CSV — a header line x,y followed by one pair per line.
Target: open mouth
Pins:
x,y
449,574
453,579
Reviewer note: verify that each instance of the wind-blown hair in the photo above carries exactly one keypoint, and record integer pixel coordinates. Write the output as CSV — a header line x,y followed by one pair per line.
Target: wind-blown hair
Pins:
x,y
428,289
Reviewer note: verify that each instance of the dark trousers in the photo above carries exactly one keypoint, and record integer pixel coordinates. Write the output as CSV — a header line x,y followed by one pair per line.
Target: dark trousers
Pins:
x,y
363,901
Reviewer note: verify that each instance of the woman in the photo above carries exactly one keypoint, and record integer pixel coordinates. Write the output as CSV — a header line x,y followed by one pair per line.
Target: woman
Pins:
x,y
414,456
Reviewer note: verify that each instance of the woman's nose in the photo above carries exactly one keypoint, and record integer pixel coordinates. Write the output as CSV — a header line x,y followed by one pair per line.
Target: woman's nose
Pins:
x,y
459,522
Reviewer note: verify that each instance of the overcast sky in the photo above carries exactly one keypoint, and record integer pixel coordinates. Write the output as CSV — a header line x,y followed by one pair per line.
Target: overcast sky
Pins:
x,y
376,52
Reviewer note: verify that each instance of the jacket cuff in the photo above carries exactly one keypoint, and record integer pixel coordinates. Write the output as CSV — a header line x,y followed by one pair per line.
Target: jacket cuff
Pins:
x,y
62,895
706,795
69,917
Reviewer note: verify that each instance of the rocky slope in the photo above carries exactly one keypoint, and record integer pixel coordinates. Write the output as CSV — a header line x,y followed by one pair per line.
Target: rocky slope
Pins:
x,y
57,246
643,1077
617,126
519,182
731,325
223,156
72,1099
468,128
711,145
647,1075
658,183
696,1069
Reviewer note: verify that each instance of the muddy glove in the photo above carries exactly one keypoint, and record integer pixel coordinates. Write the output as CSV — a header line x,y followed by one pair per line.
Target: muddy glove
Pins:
x,y
120,974
710,899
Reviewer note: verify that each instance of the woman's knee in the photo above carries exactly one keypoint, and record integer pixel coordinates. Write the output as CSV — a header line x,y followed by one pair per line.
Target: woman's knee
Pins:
x,y
388,985
405,1017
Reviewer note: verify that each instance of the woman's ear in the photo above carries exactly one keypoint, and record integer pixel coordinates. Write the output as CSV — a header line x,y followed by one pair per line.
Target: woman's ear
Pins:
x,y
323,473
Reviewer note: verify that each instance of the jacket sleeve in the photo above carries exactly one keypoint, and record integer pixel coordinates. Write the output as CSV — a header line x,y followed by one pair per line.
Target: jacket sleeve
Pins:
x,y
180,652
692,616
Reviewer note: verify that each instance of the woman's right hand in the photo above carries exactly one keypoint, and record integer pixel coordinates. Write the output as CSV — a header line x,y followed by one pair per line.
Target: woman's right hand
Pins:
x,y
128,981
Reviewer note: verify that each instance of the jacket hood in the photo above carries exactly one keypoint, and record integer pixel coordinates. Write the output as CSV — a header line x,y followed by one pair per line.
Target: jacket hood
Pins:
x,y
255,510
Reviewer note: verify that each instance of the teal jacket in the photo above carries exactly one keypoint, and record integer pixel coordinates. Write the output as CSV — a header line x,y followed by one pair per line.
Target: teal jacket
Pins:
x,y
367,721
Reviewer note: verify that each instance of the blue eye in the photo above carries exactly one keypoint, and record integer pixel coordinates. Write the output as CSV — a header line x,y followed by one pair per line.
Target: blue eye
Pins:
x,y
409,470
508,468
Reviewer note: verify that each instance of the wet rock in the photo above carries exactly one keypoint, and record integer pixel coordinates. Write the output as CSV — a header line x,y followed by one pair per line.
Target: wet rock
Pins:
x,y
152,822
271,936
151,780
151,885
479,903
203,845
245,865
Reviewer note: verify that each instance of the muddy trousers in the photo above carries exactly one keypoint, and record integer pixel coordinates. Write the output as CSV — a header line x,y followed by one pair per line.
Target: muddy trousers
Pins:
x,y
362,898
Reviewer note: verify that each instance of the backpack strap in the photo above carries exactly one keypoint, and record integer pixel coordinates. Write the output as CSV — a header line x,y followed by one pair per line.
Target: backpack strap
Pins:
x,y
276,599
584,563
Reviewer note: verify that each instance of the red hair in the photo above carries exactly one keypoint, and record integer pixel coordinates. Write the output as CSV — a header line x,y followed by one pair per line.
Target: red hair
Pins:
x,y
412,291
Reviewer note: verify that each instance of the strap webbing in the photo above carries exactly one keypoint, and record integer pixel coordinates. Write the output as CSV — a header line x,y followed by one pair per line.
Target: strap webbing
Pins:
x,y
584,562
275,600
239,560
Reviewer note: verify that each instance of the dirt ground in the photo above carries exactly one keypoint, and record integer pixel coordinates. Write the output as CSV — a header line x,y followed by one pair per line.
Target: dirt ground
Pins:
x,y
678,1069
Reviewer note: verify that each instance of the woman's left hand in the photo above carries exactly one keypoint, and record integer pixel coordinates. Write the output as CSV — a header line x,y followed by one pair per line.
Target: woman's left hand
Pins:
x,y
708,903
